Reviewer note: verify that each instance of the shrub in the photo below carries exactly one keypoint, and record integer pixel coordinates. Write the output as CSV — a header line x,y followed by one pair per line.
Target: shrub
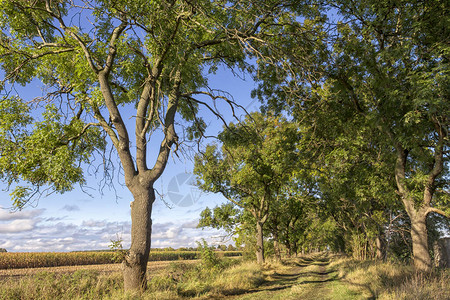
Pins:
x,y
208,256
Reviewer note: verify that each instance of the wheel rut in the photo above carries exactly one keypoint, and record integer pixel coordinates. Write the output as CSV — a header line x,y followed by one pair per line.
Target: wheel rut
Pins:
x,y
299,278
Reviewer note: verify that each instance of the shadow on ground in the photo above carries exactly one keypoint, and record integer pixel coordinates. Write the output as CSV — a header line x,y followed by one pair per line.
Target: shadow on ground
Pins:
x,y
293,276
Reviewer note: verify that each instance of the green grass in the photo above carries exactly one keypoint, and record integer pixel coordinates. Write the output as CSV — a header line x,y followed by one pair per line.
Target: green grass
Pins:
x,y
313,277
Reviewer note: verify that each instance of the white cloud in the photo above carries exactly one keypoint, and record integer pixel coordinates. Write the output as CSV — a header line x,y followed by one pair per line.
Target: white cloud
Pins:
x,y
6,244
94,223
7,215
17,226
19,221
30,231
68,237
190,224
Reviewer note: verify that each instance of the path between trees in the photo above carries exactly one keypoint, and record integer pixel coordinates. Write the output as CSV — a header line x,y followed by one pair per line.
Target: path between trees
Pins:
x,y
303,278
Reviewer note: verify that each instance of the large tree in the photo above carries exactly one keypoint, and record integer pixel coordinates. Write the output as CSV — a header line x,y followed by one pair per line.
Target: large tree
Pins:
x,y
393,67
102,63
255,159
385,63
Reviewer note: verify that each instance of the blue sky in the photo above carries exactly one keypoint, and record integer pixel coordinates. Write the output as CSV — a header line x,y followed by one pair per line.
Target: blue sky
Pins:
x,y
80,221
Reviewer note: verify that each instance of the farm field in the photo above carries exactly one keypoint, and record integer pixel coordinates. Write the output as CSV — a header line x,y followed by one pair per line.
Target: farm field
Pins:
x,y
316,276
17,260
152,266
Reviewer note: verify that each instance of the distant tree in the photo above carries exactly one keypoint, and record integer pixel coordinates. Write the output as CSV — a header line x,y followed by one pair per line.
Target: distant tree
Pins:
x,y
257,157
3,250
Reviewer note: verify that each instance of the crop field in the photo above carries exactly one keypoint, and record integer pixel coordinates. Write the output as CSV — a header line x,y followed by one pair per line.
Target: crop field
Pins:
x,y
152,268
57,259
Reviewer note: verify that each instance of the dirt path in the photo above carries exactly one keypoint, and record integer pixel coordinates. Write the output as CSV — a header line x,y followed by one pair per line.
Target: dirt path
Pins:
x,y
300,278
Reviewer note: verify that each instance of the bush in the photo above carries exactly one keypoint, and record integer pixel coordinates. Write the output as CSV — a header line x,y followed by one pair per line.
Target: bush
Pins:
x,y
208,256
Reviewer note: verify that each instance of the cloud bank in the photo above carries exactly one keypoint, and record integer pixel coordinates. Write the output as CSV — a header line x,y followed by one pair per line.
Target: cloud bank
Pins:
x,y
30,231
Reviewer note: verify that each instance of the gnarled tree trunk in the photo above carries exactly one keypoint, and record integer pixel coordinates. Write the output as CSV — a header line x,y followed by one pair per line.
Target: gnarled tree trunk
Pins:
x,y
418,215
135,263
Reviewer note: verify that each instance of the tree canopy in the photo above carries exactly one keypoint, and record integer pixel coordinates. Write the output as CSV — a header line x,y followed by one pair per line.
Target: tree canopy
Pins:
x,y
102,63
353,132
381,66
256,158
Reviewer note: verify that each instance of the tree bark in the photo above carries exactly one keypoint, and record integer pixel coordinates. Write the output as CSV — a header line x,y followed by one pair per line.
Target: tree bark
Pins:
x,y
418,215
276,246
293,249
259,242
135,263
380,248
419,235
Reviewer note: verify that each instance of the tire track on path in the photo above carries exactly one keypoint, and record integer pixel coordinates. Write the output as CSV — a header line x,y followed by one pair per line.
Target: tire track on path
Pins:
x,y
301,278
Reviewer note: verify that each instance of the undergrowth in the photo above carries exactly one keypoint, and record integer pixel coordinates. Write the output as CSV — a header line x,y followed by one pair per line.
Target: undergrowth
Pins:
x,y
217,277
212,276
387,280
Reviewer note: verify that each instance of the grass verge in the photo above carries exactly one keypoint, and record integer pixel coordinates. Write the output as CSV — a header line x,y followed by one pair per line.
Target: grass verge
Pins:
x,y
178,280
383,280
315,277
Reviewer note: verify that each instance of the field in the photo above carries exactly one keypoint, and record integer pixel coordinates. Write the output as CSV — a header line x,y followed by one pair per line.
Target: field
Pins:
x,y
57,259
317,276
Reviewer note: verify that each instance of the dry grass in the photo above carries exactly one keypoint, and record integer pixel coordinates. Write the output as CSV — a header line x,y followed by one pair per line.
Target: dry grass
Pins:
x,y
302,278
382,280
79,285
152,267
418,286
243,277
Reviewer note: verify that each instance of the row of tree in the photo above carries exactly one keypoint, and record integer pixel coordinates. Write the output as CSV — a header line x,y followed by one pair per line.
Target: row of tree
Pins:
x,y
368,94
364,85
284,194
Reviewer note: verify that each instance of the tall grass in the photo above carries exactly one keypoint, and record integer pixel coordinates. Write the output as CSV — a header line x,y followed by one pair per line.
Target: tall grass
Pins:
x,y
178,281
385,280
48,286
344,279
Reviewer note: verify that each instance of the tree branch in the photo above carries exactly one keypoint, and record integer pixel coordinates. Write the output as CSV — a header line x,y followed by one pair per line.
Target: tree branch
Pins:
x,y
438,211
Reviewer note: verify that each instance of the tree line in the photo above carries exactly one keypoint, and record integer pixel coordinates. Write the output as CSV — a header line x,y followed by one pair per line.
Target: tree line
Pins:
x,y
352,137
366,171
